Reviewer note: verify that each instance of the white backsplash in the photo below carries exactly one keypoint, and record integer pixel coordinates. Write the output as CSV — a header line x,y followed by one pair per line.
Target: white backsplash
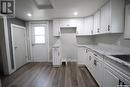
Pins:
x,y
112,39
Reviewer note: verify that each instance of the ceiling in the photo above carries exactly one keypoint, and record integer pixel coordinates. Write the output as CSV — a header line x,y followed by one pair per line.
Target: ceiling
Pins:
x,y
58,8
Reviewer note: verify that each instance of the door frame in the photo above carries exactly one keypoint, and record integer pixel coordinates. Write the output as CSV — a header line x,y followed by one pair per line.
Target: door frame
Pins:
x,y
14,25
30,38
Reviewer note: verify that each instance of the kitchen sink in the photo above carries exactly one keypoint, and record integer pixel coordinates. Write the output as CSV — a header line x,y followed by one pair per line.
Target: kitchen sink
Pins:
x,y
125,58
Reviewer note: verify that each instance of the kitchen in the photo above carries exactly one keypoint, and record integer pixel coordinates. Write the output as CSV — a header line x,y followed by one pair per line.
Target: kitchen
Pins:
x,y
57,43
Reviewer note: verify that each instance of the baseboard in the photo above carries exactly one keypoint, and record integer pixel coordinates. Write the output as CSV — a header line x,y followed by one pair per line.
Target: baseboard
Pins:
x,y
39,61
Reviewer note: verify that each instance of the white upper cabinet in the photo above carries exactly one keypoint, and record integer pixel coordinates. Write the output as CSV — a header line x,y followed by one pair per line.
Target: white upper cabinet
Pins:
x,y
56,27
88,25
97,23
66,23
127,22
77,23
112,17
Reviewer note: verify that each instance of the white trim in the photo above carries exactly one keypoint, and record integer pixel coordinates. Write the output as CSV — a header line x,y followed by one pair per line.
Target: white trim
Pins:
x,y
14,25
8,62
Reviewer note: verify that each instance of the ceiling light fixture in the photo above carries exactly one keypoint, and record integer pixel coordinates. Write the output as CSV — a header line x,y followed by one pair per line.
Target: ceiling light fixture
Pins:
x,y
29,14
75,13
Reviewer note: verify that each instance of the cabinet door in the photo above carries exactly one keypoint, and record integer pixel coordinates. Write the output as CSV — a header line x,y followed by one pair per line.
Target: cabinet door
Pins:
x,y
56,27
68,23
80,29
87,57
90,62
98,71
97,23
88,25
110,80
106,18
56,56
81,55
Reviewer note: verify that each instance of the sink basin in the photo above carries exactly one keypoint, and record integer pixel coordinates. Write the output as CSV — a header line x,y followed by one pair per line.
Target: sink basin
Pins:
x,y
125,58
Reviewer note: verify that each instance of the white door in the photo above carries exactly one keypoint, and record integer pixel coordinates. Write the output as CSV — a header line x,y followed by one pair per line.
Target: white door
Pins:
x,y
19,45
40,42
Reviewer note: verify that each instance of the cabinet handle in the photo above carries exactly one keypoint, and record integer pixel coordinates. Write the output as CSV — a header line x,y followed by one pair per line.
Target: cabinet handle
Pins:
x,y
95,55
108,27
119,82
58,53
89,57
95,62
98,30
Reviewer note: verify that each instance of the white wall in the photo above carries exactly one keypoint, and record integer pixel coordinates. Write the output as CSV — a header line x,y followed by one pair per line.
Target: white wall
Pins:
x,y
112,39
68,46
52,39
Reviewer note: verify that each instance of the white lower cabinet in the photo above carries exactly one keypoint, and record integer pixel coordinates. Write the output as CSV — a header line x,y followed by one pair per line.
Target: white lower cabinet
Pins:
x,y
110,80
56,56
105,74
81,55
98,71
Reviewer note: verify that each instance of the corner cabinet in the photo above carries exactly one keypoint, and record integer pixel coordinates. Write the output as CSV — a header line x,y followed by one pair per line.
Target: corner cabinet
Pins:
x,y
56,56
97,23
112,17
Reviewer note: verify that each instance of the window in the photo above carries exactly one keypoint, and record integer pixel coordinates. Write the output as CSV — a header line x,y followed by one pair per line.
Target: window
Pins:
x,y
39,33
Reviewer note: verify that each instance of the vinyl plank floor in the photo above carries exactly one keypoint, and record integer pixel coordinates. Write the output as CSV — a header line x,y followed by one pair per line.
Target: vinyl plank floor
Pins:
x,y
45,75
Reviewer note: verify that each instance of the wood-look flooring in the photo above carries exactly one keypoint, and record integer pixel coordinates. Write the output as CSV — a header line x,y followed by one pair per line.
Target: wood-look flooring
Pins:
x,y
45,75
